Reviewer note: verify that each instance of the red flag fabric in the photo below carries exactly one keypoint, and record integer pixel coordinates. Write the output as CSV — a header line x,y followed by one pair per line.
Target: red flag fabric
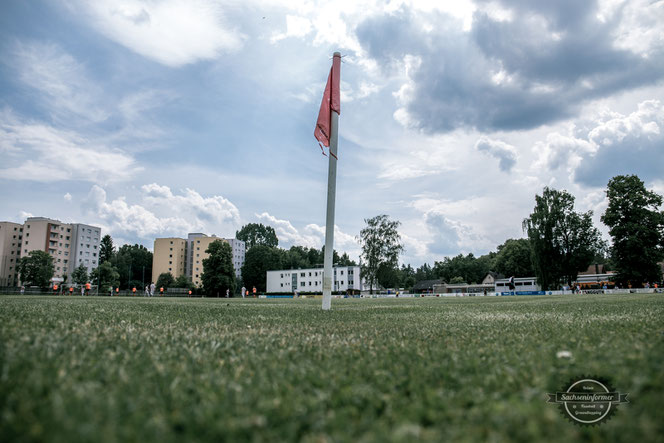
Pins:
x,y
331,102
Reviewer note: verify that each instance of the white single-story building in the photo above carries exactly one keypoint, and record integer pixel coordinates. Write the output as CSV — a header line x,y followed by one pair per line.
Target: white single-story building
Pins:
x,y
521,285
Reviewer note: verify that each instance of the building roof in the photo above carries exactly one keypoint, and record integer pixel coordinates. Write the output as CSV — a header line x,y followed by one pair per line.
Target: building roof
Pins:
x,y
426,284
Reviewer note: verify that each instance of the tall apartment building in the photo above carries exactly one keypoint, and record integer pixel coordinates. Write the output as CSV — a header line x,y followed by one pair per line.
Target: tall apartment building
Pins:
x,y
11,235
193,250
198,247
51,236
85,245
169,256
239,250
70,244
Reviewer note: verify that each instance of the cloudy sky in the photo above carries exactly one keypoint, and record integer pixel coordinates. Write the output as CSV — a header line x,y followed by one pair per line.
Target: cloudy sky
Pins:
x,y
157,118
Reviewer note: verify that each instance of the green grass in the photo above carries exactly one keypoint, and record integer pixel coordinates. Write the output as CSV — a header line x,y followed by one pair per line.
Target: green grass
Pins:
x,y
470,369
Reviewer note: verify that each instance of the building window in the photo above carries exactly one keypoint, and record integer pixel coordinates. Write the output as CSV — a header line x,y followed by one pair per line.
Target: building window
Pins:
x,y
302,274
302,284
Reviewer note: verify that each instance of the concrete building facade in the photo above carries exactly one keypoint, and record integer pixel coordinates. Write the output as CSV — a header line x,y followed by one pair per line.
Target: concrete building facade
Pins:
x,y
51,236
311,280
199,245
70,244
85,244
169,256
192,250
11,237
239,250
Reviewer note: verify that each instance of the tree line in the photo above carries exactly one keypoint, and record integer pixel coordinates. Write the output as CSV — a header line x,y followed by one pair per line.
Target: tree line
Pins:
x,y
560,243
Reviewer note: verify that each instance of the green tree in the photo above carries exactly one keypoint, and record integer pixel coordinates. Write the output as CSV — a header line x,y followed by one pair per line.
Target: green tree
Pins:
x,y
254,234
134,263
345,260
469,268
106,249
165,280
80,275
105,275
381,245
36,269
257,262
514,258
457,280
562,241
297,257
218,273
636,226
407,276
388,275
183,282
424,272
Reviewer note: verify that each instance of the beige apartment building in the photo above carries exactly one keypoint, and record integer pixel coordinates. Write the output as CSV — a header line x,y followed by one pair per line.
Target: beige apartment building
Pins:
x,y
11,235
169,256
185,256
198,247
52,236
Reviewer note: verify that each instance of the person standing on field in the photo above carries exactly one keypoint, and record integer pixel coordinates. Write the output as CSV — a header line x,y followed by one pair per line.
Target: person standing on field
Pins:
x,y
152,287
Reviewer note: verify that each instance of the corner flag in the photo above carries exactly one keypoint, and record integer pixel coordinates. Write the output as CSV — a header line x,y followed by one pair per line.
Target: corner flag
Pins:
x,y
327,133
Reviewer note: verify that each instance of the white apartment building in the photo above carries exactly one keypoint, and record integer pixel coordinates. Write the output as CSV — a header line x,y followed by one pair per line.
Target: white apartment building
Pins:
x,y
85,246
311,280
239,250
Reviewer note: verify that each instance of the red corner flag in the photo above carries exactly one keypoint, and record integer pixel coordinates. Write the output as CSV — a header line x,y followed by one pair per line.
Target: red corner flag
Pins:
x,y
331,102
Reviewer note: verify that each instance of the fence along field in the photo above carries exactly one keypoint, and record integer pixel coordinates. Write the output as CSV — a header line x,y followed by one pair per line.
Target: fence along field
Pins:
x,y
478,368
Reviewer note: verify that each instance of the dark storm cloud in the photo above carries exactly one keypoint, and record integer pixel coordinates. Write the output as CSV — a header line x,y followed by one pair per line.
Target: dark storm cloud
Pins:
x,y
535,68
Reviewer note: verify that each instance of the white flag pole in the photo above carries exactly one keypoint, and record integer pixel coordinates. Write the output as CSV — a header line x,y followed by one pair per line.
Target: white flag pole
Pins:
x,y
328,276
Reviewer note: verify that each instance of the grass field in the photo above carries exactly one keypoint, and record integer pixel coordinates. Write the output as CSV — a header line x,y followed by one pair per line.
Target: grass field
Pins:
x,y
473,369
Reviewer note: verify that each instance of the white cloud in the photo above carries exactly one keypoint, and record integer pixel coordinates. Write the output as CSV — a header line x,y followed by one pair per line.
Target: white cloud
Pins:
x,y
312,235
67,197
125,218
296,26
609,145
62,80
39,152
171,32
213,211
561,151
162,213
